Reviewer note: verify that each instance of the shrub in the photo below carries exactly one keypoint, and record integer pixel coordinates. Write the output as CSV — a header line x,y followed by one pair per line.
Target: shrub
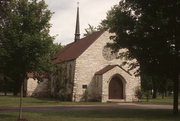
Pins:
x,y
62,95
85,96
138,93
147,95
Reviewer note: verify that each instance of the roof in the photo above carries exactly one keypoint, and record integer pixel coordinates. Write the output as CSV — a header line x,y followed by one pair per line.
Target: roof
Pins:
x,y
32,75
75,49
109,67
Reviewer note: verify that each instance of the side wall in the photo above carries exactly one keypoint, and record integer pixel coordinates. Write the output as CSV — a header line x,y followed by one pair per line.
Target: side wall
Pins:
x,y
65,72
38,89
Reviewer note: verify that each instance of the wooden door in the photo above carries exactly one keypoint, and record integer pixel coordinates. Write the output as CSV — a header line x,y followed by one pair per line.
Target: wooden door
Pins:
x,y
116,88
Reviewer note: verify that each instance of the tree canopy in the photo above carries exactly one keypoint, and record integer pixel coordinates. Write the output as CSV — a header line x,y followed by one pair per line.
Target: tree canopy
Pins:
x,y
91,29
25,42
150,30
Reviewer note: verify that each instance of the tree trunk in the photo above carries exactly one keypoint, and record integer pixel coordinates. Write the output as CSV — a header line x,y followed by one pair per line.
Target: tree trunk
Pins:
x,y
176,57
25,88
5,92
16,88
176,89
154,96
147,98
163,94
5,88
20,102
15,93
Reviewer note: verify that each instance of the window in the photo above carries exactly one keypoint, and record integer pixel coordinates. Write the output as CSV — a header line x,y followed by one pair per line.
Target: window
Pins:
x,y
84,86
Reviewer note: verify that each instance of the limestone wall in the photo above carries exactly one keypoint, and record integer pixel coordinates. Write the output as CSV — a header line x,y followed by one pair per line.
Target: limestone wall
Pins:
x,y
130,83
67,69
88,64
37,89
97,88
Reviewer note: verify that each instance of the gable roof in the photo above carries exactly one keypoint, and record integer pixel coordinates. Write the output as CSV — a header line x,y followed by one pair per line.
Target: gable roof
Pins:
x,y
109,67
32,75
75,49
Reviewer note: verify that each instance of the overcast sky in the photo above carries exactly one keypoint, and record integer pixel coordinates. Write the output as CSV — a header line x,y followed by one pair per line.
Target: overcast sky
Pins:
x,y
64,17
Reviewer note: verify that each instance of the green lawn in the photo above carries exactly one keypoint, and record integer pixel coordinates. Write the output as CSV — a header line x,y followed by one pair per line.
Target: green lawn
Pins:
x,y
95,115
158,100
29,101
85,115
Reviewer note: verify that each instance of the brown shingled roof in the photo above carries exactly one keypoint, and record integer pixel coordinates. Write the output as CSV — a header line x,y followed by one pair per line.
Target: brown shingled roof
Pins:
x,y
109,67
75,49
32,75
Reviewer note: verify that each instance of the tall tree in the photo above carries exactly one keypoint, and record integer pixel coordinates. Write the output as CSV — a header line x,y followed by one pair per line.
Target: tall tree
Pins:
x,y
91,29
150,30
25,39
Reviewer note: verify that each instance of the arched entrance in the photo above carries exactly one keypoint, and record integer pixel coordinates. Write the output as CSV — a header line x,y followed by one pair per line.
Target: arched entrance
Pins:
x,y
116,88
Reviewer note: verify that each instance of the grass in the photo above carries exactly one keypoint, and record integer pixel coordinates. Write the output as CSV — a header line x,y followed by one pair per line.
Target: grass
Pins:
x,y
158,100
95,115
86,115
29,101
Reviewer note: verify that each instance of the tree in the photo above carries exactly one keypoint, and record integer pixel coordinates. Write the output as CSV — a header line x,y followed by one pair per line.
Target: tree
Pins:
x,y
25,39
91,29
6,84
55,48
149,29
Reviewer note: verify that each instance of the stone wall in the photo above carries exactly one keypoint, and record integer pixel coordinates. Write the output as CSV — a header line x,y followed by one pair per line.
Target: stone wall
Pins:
x,y
130,83
67,69
97,87
38,89
88,63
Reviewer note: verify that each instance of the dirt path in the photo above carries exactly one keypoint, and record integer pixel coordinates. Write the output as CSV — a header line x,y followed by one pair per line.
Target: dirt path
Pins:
x,y
86,107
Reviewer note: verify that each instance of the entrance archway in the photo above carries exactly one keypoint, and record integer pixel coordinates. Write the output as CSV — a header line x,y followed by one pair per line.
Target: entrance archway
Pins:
x,y
116,88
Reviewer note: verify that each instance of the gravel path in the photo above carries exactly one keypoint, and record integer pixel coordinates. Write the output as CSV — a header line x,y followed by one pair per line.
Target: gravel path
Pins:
x,y
86,107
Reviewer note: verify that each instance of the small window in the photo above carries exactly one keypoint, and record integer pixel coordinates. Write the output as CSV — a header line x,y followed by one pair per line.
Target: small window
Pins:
x,y
84,86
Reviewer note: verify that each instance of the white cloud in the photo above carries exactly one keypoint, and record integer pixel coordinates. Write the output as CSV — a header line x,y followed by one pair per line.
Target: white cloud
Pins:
x,y
63,20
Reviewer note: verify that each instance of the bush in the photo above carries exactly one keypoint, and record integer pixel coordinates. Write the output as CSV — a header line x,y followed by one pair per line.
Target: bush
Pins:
x,y
62,95
138,93
85,96
147,95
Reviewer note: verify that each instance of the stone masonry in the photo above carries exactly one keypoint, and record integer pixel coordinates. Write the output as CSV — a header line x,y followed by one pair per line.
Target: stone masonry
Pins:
x,y
91,61
37,89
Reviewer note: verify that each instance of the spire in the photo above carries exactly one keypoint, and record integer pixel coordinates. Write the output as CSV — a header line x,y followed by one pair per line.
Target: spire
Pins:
x,y
77,30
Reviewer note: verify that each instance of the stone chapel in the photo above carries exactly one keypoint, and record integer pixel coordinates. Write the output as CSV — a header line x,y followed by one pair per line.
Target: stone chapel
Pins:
x,y
91,66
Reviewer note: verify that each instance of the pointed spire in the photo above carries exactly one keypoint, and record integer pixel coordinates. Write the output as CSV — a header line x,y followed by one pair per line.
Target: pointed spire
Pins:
x,y
77,30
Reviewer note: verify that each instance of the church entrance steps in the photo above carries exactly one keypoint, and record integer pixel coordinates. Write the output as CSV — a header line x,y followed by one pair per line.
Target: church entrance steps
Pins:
x,y
116,100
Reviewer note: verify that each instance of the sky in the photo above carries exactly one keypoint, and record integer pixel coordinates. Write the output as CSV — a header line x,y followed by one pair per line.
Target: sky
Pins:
x,y
64,17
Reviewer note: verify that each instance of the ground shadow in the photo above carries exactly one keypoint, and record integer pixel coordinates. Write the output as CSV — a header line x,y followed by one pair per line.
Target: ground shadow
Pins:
x,y
96,115
4,116
121,114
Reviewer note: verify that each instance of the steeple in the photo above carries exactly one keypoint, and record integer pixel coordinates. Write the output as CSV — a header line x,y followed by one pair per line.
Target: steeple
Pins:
x,y
77,30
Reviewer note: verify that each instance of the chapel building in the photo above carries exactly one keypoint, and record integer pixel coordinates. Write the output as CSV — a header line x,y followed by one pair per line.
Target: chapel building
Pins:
x,y
92,67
